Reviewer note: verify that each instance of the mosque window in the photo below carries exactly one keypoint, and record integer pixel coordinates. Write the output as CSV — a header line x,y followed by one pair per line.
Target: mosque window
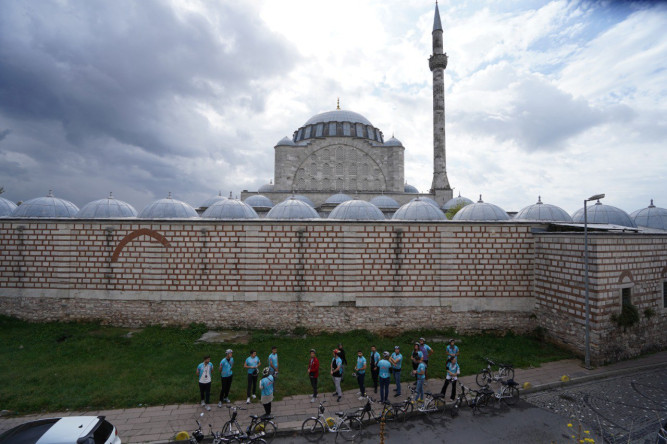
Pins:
x,y
339,169
313,169
301,184
353,169
332,129
299,135
340,154
371,133
307,133
346,129
626,296
319,129
326,170
364,169
340,184
360,130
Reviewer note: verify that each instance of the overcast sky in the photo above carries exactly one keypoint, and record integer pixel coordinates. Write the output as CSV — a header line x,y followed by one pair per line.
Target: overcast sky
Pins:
x,y
142,98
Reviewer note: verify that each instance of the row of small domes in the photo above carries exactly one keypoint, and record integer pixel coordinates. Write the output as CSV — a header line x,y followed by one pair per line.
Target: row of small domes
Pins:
x,y
346,208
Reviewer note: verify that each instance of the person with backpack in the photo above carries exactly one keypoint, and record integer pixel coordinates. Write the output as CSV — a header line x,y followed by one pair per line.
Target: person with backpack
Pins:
x,y
204,371
336,374
266,388
313,372
226,376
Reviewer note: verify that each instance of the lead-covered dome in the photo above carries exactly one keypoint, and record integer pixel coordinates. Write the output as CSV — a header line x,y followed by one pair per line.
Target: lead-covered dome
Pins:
x,y
107,208
604,214
48,206
481,211
410,189
338,198
427,200
456,201
393,141
292,208
230,209
259,202
168,208
650,217
303,199
338,123
356,209
418,209
542,211
208,202
385,202
6,207
266,188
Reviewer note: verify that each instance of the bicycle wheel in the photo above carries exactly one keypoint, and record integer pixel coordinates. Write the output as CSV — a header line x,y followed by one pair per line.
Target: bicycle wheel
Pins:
x,y
350,428
312,429
483,378
388,413
231,428
269,429
506,373
405,411
435,407
511,396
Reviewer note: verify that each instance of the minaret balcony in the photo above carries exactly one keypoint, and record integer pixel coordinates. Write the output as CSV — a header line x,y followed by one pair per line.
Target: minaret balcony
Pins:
x,y
437,61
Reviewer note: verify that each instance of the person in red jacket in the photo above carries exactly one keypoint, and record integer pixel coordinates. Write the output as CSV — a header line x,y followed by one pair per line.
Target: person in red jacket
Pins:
x,y
313,372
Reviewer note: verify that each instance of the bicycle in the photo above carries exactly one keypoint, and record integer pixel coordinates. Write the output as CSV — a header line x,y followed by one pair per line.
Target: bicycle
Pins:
x,y
508,393
487,375
348,426
481,399
433,405
367,412
469,399
260,426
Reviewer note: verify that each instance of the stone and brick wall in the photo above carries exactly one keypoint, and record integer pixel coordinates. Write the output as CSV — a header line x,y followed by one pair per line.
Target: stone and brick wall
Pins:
x,y
616,261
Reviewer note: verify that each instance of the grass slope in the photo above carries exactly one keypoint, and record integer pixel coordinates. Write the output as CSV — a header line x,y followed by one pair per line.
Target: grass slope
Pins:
x,y
57,366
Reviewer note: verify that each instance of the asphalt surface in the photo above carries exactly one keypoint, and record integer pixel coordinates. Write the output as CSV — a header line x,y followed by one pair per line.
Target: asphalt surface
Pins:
x,y
623,409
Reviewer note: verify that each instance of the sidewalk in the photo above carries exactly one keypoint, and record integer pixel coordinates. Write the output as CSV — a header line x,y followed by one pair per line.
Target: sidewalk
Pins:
x,y
161,423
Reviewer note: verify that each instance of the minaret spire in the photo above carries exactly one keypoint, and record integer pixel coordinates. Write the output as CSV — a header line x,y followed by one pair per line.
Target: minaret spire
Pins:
x,y
437,63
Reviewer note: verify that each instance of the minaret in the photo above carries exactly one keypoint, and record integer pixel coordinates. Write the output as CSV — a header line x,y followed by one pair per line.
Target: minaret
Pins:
x,y
438,62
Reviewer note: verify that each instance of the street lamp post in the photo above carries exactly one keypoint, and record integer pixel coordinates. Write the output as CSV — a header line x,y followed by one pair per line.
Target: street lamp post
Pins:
x,y
587,359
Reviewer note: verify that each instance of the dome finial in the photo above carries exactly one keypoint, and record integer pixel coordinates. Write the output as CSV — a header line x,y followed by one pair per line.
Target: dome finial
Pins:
x,y
651,206
480,199
50,193
230,194
539,199
338,103
110,195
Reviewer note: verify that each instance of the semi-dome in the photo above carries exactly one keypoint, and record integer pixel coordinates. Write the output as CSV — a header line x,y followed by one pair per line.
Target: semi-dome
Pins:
x,y
427,200
542,211
259,201
168,208
208,202
285,141
384,202
230,209
418,209
481,211
6,207
48,206
410,189
107,208
337,199
266,188
456,201
650,217
393,142
303,199
356,209
292,208
604,214
338,123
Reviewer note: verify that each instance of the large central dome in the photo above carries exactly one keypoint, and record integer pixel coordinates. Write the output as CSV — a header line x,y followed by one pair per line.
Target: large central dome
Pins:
x,y
336,123
339,115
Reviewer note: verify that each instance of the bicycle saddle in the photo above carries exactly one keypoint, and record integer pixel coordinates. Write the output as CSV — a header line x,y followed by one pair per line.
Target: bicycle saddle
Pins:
x,y
254,416
341,414
437,395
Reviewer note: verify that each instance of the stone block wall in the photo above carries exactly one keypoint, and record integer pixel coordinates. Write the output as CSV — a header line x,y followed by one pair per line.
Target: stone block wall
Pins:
x,y
616,261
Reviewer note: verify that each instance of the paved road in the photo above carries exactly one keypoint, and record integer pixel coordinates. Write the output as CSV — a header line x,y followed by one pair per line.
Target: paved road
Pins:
x,y
622,410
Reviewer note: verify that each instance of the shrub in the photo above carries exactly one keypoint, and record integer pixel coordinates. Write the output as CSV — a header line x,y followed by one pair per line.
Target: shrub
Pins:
x,y
649,313
629,316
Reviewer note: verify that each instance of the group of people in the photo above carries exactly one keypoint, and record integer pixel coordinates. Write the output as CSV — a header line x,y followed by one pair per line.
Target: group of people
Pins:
x,y
381,367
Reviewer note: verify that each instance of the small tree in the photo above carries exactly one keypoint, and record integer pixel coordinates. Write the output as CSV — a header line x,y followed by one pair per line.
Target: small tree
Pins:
x,y
453,210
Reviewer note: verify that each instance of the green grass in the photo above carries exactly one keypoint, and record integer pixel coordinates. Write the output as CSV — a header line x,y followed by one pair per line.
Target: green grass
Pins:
x,y
57,366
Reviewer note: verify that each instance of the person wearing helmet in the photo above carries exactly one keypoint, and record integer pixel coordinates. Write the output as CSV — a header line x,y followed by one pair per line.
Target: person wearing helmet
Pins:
x,y
313,372
266,387
384,366
336,373
226,376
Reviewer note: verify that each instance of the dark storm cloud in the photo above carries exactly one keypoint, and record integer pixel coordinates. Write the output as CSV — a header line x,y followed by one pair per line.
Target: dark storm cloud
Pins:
x,y
4,134
540,117
123,82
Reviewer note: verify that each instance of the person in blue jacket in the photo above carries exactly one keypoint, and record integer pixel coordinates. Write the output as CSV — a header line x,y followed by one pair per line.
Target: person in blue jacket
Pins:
x,y
252,364
266,387
384,367
226,376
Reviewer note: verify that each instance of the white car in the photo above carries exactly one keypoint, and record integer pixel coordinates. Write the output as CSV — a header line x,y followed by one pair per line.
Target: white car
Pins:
x,y
68,430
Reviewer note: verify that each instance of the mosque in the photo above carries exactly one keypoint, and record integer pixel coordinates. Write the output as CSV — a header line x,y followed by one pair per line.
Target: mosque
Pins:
x,y
339,228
